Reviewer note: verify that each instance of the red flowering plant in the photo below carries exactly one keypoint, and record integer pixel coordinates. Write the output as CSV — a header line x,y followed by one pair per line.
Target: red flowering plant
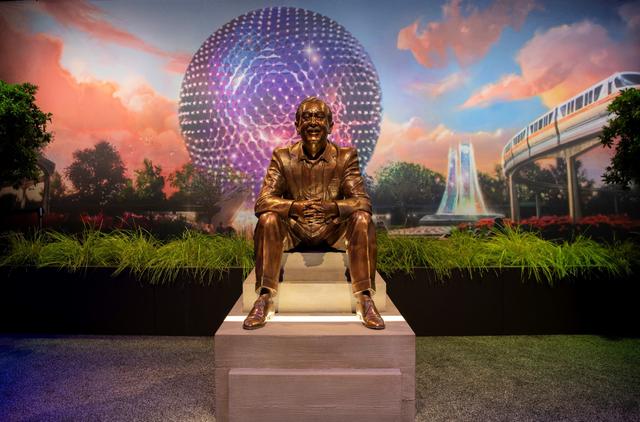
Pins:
x,y
130,220
553,227
167,226
97,222
608,227
485,226
618,221
547,222
464,226
484,223
55,221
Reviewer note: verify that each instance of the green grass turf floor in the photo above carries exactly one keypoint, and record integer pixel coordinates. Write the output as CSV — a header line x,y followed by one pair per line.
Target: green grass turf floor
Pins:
x,y
520,378
578,378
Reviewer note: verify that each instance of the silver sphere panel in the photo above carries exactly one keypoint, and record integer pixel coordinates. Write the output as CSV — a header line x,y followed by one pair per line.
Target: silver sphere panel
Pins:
x,y
243,85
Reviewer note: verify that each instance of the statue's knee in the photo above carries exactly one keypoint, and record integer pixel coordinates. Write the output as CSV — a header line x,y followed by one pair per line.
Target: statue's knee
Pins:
x,y
361,218
268,218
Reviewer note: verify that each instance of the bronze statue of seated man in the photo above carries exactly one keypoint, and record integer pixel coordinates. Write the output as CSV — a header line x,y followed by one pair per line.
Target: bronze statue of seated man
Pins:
x,y
314,195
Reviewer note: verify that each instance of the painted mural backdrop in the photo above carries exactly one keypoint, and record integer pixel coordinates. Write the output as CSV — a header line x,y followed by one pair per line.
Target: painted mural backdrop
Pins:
x,y
169,110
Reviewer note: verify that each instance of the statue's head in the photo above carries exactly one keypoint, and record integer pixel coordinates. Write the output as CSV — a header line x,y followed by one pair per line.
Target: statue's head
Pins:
x,y
314,121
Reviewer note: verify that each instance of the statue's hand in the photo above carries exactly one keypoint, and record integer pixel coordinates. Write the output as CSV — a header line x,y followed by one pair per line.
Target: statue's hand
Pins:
x,y
314,210
324,210
301,209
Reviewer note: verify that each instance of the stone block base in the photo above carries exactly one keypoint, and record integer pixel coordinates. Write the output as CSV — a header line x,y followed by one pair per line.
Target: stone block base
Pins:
x,y
315,367
322,395
324,275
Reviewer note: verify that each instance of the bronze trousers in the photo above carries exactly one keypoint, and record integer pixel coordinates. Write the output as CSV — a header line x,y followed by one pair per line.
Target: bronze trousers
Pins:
x,y
355,234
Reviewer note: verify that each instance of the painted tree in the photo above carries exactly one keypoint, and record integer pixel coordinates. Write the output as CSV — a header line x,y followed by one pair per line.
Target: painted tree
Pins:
x,y
23,133
494,189
97,174
58,187
408,188
546,185
623,132
58,191
183,181
149,182
195,187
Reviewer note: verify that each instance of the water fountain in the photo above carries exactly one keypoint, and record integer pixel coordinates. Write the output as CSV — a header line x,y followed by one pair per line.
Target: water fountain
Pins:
x,y
462,200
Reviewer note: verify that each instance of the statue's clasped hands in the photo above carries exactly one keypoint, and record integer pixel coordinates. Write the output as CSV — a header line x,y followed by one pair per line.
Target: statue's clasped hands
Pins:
x,y
314,210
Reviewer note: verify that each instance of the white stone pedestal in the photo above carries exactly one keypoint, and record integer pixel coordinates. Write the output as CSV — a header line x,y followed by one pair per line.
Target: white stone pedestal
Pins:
x,y
315,366
324,274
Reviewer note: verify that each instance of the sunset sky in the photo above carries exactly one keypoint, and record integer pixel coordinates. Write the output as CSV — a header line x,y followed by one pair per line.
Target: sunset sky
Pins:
x,y
450,71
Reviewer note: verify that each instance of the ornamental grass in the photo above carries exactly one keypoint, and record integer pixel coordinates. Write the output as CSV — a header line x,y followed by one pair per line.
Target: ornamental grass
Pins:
x,y
201,256
505,247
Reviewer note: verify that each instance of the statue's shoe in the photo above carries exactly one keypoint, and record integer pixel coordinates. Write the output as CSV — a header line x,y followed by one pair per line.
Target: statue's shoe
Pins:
x,y
261,312
368,313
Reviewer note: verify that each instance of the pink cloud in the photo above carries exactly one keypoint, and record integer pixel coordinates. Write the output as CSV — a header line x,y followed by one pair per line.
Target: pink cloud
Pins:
x,y
140,122
562,61
438,88
414,141
468,37
513,87
89,18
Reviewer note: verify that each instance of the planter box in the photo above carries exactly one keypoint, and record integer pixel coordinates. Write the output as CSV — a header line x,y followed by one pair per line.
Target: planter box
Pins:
x,y
496,302
92,301
503,302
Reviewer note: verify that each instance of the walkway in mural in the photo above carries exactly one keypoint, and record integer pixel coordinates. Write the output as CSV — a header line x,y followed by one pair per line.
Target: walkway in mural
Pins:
x,y
435,231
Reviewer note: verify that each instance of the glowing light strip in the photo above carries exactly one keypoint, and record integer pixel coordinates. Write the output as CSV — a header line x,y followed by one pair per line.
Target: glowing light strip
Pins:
x,y
315,318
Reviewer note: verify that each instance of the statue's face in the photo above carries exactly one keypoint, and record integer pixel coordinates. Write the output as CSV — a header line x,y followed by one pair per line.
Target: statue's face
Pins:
x,y
313,127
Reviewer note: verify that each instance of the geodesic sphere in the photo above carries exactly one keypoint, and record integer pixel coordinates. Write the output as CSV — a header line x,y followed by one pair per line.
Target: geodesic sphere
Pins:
x,y
242,88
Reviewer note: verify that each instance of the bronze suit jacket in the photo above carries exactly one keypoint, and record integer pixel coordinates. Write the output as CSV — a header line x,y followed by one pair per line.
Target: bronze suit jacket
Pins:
x,y
341,181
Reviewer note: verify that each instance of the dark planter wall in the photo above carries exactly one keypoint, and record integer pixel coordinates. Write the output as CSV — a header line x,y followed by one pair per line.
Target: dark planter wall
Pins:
x,y
459,305
48,300
499,302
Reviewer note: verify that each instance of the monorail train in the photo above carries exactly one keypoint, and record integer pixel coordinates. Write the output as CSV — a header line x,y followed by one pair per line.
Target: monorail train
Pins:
x,y
568,121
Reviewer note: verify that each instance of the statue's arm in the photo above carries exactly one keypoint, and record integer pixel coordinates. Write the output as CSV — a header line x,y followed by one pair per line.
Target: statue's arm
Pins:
x,y
355,197
273,189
